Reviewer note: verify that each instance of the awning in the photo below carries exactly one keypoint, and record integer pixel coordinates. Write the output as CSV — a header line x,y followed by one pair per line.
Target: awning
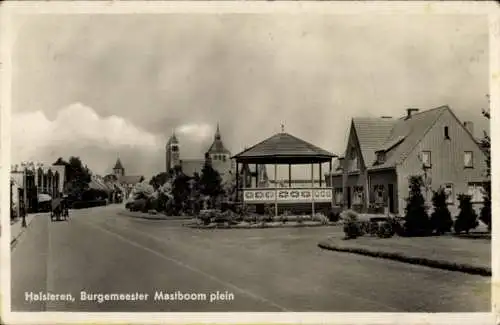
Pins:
x,y
44,197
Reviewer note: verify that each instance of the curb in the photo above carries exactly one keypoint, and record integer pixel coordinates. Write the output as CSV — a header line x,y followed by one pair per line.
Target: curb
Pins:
x,y
437,264
147,216
13,241
258,226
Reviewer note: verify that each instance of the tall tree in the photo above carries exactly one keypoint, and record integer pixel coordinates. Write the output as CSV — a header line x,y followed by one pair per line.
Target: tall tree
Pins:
x,y
210,180
486,145
416,218
78,177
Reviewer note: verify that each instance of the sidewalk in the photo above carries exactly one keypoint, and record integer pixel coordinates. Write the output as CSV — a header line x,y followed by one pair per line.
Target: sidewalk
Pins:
x,y
445,252
16,229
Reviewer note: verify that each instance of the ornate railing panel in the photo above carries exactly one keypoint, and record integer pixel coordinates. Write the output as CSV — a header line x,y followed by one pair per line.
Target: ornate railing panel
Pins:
x,y
287,195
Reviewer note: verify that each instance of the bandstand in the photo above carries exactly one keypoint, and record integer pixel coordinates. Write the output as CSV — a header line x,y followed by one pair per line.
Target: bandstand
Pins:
x,y
285,149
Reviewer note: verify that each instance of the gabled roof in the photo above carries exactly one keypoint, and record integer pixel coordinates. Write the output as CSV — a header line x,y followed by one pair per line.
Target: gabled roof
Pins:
x,y
130,179
285,148
372,133
218,146
396,138
118,164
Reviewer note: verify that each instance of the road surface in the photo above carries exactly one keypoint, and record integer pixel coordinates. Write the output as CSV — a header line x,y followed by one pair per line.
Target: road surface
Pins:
x,y
102,252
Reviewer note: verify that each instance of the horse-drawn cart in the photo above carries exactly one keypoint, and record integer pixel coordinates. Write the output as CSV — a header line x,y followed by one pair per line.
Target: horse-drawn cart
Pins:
x,y
59,211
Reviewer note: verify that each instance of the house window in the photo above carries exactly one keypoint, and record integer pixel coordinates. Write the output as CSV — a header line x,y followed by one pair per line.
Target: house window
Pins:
x,y
378,190
468,159
358,195
446,134
224,158
426,159
448,190
339,195
380,157
476,191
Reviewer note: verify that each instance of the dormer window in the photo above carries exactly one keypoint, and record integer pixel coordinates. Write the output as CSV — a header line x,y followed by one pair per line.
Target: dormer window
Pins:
x,y
380,157
446,133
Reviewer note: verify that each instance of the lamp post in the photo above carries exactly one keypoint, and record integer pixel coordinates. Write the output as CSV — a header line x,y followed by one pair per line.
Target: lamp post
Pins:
x,y
27,165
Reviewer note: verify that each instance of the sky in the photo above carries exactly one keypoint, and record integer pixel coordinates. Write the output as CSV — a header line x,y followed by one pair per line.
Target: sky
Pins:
x,y
107,86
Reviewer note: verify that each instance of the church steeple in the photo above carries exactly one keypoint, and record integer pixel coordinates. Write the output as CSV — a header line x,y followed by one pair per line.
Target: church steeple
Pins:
x,y
118,170
217,146
217,133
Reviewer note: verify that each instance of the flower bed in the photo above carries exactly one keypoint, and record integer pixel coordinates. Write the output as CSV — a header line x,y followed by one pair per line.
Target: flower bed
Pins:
x,y
209,219
258,225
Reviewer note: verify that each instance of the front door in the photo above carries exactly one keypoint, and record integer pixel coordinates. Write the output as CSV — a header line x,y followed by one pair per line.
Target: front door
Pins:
x,y
391,198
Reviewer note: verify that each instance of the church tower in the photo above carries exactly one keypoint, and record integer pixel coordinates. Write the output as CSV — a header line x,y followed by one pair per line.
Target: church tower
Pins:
x,y
218,151
172,153
118,170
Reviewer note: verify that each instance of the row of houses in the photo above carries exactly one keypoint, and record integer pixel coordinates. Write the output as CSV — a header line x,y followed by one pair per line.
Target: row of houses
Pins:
x,y
383,152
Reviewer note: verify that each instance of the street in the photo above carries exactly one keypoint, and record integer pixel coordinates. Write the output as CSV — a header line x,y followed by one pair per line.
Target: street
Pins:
x,y
99,251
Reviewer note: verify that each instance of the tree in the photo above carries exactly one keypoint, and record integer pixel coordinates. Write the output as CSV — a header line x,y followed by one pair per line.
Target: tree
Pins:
x,y
142,190
78,176
441,220
158,180
210,180
486,146
180,191
416,217
467,218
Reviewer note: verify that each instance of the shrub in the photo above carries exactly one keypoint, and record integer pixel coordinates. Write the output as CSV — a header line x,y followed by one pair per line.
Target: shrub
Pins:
x,y
334,214
352,230
441,221
467,218
284,217
87,204
416,219
349,215
385,230
321,218
486,209
352,226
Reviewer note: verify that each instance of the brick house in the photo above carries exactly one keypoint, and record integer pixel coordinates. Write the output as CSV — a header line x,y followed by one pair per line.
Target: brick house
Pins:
x,y
383,152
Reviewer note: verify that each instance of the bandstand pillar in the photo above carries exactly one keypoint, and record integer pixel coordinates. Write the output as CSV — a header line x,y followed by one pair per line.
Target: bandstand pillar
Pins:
x,y
290,175
320,176
276,189
331,181
312,188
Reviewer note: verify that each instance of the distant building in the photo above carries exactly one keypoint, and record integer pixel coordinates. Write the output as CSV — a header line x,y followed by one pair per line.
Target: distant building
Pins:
x,y
36,179
382,153
120,179
219,155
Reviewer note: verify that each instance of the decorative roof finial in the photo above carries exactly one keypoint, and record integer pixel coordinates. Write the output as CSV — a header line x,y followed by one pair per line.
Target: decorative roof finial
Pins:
x,y
282,128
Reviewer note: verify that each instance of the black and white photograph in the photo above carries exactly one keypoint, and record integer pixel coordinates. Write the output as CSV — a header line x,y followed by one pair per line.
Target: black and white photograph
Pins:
x,y
248,161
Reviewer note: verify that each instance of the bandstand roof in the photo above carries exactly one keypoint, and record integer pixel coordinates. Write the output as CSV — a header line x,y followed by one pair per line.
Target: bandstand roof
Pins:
x,y
283,148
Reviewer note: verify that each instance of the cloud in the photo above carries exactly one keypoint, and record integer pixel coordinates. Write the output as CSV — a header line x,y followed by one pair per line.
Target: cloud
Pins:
x,y
75,127
77,130
197,132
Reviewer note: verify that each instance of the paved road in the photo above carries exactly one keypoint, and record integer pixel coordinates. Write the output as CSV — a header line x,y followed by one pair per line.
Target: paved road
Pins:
x,y
100,251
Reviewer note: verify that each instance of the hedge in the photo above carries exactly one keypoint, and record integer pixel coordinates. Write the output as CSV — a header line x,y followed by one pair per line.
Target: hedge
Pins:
x,y
87,204
439,264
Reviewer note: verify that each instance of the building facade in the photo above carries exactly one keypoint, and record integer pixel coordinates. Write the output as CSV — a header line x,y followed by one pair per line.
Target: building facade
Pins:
x,y
35,179
382,153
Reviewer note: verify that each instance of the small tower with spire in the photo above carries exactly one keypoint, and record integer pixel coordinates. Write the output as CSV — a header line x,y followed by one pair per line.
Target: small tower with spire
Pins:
x,y
172,153
217,150
118,170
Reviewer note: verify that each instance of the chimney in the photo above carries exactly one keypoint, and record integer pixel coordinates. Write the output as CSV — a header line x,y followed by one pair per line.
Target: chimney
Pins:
x,y
469,126
409,112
